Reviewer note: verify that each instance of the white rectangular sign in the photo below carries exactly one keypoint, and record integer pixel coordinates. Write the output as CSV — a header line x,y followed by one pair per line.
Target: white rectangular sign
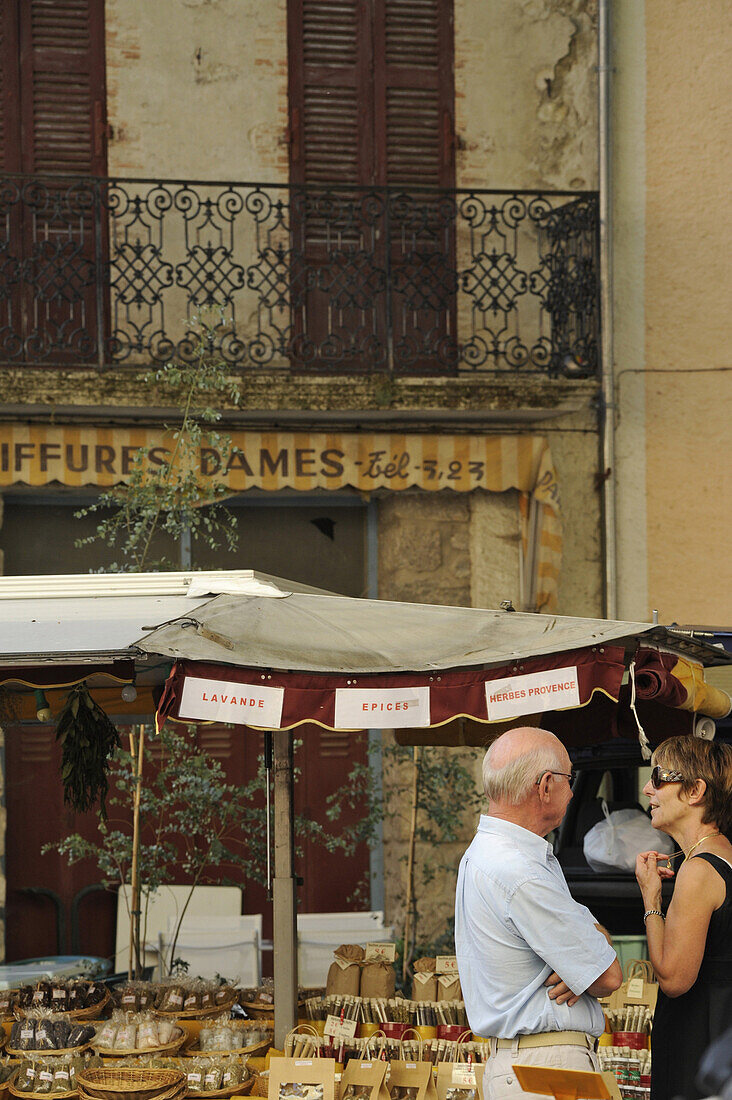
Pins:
x,y
535,691
382,708
222,701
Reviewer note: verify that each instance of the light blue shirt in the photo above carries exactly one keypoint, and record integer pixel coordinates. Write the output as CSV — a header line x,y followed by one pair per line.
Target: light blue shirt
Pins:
x,y
516,922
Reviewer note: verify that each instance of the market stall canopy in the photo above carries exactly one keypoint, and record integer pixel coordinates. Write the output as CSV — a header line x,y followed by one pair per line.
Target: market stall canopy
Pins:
x,y
278,658
286,627
59,630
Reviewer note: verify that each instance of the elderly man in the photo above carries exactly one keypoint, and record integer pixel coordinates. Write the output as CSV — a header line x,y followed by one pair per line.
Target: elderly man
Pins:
x,y
531,960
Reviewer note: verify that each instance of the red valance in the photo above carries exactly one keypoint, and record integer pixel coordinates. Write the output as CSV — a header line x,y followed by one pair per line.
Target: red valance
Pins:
x,y
218,692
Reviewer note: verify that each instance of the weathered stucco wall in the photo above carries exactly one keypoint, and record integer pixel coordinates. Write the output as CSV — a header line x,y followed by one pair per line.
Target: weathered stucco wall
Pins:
x,y
525,93
197,89
671,170
687,280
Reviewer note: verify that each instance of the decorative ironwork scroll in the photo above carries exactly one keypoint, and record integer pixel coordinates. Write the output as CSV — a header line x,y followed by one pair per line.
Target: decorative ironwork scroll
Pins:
x,y
305,279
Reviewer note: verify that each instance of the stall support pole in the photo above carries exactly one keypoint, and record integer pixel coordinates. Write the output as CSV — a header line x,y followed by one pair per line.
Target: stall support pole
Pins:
x,y
284,924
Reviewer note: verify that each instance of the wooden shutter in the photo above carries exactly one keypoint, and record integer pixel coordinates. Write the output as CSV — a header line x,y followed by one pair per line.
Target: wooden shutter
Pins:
x,y
62,86
9,88
371,91
331,128
414,91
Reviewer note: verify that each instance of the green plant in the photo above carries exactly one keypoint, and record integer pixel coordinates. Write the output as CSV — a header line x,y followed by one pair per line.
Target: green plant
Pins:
x,y
173,499
429,795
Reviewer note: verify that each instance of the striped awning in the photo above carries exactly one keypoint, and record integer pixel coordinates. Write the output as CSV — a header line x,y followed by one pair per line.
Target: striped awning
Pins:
x,y
78,456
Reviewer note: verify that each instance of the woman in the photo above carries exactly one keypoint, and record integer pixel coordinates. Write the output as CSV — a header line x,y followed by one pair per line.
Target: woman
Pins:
x,y
690,792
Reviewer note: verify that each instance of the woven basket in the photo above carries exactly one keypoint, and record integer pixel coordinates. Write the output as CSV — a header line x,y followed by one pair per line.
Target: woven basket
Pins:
x,y
45,1053
253,1050
197,1013
130,1083
177,1092
61,1095
5,1086
168,1048
233,1090
93,1012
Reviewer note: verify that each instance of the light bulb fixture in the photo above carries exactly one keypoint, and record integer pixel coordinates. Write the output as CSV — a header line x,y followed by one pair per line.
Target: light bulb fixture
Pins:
x,y
43,710
129,693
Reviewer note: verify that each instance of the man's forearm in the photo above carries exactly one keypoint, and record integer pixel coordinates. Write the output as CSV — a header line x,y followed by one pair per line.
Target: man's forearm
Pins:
x,y
605,933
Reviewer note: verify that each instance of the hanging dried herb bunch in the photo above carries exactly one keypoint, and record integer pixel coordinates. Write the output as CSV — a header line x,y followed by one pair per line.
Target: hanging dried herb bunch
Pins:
x,y
89,738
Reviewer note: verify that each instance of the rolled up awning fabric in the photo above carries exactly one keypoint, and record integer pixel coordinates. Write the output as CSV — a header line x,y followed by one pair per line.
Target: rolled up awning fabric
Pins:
x,y
678,682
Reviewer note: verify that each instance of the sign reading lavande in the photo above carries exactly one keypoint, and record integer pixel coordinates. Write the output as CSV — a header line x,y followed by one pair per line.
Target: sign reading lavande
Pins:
x,y
40,454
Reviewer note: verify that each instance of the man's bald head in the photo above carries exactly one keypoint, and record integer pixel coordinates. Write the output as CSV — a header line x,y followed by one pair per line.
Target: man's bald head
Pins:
x,y
516,759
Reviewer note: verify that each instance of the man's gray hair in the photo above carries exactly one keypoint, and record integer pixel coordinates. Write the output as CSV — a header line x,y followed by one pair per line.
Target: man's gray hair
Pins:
x,y
513,782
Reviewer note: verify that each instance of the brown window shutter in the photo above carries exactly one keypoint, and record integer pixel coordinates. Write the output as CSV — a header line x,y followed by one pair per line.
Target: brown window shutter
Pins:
x,y
9,88
331,128
414,84
62,86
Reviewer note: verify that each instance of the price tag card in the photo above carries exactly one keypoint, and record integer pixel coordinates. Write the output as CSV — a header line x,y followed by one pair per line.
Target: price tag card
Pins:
x,y
464,1077
634,991
446,964
385,951
340,1029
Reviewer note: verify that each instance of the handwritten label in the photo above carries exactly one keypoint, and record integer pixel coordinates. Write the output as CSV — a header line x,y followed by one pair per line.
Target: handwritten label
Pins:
x,y
340,1029
382,708
446,964
385,951
511,696
634,991
223,701
464,1076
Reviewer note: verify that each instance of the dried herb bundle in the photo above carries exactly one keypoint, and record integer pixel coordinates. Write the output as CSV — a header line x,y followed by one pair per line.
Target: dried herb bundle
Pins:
x,y
89,739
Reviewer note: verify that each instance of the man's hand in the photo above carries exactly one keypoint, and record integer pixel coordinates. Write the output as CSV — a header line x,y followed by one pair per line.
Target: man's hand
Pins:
x,y
559,991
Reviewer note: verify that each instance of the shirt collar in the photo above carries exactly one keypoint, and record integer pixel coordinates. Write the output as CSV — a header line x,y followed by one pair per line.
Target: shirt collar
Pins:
x,y
524,837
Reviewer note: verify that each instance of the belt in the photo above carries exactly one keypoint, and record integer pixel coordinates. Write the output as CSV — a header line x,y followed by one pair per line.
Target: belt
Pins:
x,y
549,1039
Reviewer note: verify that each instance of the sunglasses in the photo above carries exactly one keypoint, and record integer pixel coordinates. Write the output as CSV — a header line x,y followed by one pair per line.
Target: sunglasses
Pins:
x,y
660,775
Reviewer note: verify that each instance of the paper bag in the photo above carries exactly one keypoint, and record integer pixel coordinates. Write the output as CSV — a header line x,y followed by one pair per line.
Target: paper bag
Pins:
x,y
460,1081
317,1073
344,975
377,979
404,1077
364,1080
448,988
424,982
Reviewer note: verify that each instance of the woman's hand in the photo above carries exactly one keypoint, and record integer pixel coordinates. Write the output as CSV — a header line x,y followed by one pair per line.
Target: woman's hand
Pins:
x,y
650,876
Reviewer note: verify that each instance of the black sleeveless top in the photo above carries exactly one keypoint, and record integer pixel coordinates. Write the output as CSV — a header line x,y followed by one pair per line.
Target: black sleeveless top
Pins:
x,y
683,1027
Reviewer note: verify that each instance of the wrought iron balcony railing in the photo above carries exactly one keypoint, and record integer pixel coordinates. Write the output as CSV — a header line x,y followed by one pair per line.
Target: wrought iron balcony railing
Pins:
x,y
333,279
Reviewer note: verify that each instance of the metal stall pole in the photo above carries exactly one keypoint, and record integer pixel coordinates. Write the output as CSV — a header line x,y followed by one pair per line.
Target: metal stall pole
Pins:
x,y
284,924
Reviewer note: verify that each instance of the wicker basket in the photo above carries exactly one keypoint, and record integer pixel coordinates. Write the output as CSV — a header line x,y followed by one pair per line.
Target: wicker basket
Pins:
x,y
176,1092
253,1050
197,1013
92,1012
45,1053
220,1094
5,1086
130,1083
168,1048
61,1095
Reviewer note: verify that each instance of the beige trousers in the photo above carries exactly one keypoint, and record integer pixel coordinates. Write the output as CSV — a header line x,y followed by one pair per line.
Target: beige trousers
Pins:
x,y
500,1083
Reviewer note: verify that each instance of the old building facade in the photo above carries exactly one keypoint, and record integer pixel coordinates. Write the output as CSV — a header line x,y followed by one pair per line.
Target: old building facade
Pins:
x,y
394,203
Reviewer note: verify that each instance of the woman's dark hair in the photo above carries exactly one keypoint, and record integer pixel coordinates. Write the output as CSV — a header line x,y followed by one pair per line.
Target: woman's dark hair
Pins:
x,y
707,760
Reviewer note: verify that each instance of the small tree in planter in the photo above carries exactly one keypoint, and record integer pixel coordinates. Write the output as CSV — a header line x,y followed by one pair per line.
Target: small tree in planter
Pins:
x,y
193,825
